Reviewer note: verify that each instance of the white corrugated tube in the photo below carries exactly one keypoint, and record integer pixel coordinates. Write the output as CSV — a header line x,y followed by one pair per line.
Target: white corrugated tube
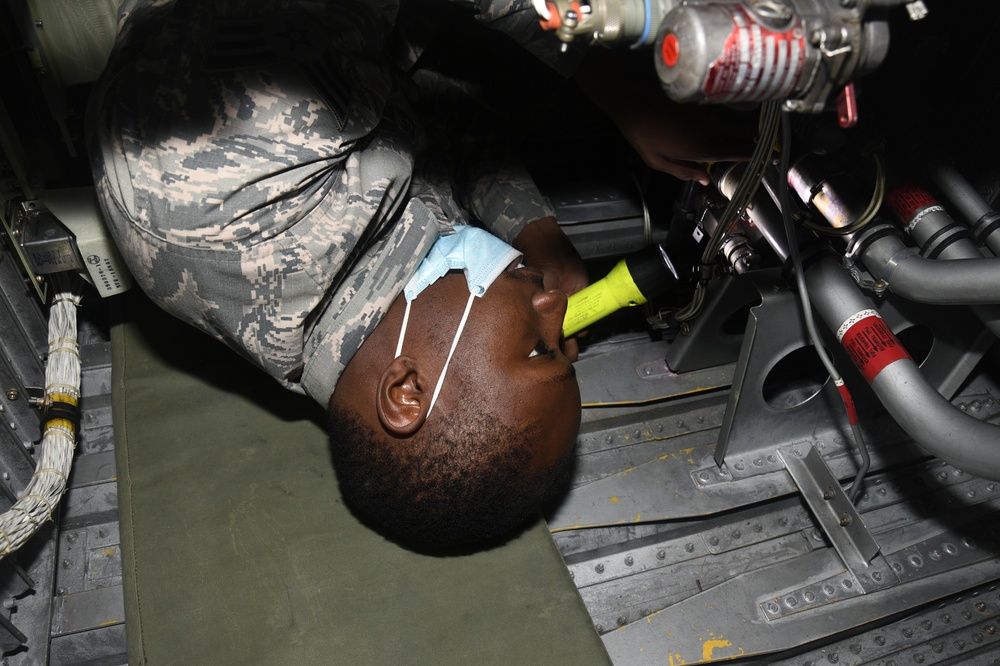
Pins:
x,y
60,424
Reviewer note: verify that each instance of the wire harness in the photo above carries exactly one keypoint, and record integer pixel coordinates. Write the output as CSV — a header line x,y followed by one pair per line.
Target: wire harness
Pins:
x,y
60,425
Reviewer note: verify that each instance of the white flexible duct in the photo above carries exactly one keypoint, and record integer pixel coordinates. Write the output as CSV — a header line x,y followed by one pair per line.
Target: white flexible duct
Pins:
x,y
60,424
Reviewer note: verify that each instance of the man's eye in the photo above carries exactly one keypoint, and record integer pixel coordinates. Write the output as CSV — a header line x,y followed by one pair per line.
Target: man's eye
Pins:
x,y
541,349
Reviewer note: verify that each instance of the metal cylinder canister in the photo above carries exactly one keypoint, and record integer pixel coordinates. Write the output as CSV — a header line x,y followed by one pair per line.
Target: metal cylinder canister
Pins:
x,y
730,52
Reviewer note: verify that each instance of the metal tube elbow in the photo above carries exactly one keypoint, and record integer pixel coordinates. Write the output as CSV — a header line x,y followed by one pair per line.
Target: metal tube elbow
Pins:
x,y
974,281
930,420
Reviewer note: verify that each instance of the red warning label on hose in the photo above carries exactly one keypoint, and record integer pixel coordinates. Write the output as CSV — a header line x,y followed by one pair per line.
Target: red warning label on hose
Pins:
x,y
871,343
756,63
906,200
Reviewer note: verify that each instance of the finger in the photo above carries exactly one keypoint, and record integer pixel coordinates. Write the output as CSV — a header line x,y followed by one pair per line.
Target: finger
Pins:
x,y
679,169
571,349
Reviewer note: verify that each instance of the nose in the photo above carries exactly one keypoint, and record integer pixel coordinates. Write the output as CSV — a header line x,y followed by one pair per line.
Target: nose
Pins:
x,y
551,307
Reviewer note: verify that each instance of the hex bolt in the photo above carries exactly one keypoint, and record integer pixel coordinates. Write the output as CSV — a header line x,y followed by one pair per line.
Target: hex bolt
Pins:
x,y
12,394
629,561
599,568
772,607
622,620
845,521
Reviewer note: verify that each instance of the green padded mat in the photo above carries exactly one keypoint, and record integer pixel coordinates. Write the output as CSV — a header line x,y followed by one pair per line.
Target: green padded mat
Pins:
x,y
239,550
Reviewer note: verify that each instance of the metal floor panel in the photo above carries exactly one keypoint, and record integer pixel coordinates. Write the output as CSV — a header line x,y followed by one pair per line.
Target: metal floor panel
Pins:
x,y
680,561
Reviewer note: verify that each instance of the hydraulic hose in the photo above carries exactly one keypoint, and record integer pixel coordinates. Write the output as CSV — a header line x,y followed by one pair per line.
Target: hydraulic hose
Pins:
x,y
931,421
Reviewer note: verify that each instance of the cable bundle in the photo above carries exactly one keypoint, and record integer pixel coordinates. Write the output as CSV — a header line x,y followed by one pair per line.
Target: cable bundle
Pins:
x,y
60,425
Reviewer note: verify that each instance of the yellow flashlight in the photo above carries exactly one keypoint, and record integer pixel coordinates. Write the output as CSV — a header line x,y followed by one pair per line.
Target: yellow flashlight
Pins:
x,y
633,281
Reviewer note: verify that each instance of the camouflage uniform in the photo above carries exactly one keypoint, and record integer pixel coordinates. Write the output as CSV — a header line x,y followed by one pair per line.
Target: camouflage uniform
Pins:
x,y
260,168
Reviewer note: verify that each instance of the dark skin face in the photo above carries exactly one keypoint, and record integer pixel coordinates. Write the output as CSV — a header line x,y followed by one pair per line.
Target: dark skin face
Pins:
x,y
509,355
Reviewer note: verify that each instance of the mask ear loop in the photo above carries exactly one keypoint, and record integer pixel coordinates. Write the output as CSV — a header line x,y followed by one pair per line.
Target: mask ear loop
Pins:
x,y
454,343
451,352
402,329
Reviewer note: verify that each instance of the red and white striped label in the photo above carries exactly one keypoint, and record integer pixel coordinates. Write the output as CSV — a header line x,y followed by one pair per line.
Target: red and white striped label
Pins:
x,y
870,343
905,200
756,63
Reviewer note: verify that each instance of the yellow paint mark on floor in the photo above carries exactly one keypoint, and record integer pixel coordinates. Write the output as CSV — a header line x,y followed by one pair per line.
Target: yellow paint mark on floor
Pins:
x,y
614,500
709,646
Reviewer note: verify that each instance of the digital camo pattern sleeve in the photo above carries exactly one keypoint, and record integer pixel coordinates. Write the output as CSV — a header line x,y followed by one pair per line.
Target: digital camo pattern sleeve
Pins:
x,y
503,196
250,166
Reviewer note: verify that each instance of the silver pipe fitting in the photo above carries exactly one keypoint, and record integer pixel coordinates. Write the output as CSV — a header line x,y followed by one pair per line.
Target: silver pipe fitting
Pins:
x,y
931,421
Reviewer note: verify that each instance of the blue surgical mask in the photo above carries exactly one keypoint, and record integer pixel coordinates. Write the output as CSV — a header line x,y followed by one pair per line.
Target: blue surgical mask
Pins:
x,y
477,253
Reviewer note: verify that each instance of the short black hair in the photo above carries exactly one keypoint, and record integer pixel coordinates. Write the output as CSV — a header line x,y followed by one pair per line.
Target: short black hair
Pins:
x,y
454,485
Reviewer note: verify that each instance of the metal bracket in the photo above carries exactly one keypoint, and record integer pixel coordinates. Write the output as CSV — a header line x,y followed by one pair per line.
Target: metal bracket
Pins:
x,y
836,515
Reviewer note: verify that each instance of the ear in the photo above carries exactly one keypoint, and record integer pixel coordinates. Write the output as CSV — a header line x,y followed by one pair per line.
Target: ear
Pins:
x,y
401,403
